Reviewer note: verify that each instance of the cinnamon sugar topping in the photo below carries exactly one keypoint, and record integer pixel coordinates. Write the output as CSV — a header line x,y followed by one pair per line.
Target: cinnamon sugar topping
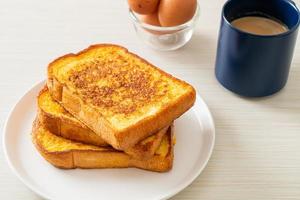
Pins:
x,y
115,83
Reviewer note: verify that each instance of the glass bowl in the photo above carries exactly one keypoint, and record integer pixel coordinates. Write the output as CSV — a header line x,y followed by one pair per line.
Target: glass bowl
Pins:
x,y
164,38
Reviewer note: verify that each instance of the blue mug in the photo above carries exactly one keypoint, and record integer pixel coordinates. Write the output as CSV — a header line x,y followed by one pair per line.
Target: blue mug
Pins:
x,y
256,65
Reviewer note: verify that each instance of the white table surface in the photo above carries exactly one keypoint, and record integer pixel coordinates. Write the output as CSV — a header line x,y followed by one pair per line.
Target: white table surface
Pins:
x,y
257,152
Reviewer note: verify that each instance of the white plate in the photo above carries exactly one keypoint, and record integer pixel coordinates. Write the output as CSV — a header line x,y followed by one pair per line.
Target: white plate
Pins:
x,y
195,135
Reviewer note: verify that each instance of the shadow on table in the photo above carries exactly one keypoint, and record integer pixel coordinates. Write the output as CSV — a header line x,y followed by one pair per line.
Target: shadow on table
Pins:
x,y
199,51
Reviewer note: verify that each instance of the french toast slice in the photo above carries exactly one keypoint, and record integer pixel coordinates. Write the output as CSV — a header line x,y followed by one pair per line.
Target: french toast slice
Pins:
x,y
68,154
61,123
117,94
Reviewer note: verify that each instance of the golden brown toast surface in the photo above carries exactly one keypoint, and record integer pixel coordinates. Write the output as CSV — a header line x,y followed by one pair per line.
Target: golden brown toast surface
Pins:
x,y
50,106
68,154
62,123
119,95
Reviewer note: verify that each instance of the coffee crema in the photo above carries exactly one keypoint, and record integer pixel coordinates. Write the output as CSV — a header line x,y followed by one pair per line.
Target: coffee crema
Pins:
x,y
259,25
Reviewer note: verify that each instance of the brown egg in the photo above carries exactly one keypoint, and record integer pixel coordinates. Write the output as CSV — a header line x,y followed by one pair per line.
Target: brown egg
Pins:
x,y
151,19
143,6
176,12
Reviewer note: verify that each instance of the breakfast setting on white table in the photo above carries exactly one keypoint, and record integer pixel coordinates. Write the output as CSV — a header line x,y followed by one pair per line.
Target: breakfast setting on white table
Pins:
x,y
150,99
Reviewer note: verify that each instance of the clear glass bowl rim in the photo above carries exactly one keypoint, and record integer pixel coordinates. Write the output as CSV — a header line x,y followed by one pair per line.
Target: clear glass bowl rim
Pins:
x,y
171,28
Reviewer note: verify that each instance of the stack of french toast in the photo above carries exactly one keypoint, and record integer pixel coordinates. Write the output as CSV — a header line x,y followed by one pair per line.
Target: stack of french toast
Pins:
x,y
105,107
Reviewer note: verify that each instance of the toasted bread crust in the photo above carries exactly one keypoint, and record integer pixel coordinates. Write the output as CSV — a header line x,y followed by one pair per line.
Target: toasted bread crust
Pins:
x,y
65,127
88,159
74,130
129,136
69,130
146,149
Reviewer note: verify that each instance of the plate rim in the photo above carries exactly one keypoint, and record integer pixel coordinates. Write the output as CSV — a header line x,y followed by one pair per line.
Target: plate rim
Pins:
x,y
4,144
167,195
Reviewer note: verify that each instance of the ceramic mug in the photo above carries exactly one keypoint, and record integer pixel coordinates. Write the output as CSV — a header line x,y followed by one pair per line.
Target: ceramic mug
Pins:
x,y
256,65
